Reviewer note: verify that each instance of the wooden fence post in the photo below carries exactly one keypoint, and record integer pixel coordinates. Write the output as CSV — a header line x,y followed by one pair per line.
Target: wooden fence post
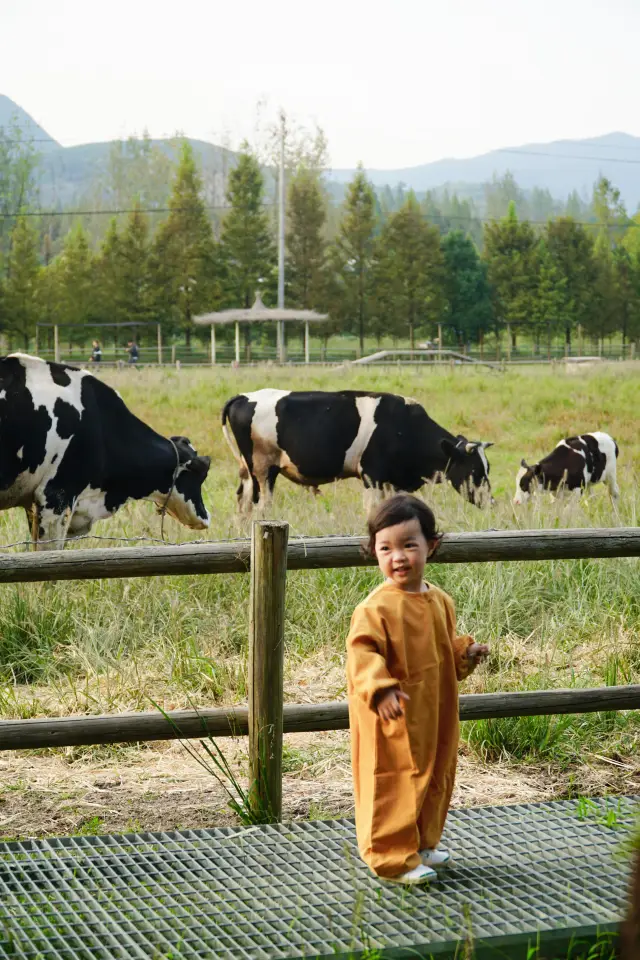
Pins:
x,y
56,344
266,664
159,337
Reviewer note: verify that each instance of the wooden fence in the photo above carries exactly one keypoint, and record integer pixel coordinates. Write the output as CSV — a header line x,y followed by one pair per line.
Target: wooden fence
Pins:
x,y
267,556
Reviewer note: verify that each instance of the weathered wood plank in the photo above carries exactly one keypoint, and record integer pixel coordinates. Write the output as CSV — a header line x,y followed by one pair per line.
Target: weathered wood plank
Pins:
x,y
233,556
266,667
223,722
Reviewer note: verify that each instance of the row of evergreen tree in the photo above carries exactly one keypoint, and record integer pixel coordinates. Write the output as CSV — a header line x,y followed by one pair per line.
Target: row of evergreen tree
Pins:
x,y
384,272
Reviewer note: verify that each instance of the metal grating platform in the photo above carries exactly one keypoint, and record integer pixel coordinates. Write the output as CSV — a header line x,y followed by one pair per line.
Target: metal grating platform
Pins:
x,y
300,890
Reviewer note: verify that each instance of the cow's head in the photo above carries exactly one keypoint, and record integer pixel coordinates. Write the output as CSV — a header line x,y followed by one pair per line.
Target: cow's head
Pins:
x,y
528,480
468,469
185,502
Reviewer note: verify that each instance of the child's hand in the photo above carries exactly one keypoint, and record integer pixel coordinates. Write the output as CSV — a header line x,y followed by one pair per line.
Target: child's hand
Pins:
x,y
389,705
477,653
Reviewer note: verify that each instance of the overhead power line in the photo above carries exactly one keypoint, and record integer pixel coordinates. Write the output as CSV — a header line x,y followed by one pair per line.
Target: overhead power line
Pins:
x,y
111,213
564,156
463,218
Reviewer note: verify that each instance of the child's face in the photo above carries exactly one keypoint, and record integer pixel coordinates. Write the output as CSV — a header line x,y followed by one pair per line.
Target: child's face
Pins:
x,y
401,552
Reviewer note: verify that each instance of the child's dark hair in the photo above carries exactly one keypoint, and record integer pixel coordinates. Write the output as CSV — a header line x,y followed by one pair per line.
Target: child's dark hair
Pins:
x,y
399,509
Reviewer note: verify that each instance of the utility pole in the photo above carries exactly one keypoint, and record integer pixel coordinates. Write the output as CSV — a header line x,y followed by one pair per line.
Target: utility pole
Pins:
x,y
281,347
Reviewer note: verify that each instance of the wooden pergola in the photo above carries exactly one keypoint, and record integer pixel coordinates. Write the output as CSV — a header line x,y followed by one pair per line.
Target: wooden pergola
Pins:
x,y
258,313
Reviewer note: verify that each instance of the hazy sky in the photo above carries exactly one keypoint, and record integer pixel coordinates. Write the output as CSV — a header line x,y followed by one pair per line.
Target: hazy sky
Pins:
x,y
393,84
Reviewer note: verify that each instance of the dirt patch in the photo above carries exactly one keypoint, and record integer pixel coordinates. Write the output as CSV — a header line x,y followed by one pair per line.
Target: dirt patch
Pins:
x,y
160,788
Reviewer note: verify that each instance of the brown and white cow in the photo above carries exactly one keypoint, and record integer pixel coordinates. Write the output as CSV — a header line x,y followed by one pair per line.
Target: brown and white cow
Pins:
x,y
315,437
575,464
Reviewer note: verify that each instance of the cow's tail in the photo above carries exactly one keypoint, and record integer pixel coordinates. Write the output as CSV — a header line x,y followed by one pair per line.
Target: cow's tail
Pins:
x,y
231,440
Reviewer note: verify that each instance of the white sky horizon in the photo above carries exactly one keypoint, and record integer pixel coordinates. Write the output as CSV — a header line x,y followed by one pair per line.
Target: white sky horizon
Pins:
x,y
392,87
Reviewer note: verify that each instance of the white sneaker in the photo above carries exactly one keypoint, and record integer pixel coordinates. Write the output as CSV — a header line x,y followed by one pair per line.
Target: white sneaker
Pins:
x,y
434,858
419,874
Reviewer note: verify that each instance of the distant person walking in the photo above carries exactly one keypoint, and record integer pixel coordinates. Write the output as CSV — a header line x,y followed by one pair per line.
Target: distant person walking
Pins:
x,y
96,352
134,353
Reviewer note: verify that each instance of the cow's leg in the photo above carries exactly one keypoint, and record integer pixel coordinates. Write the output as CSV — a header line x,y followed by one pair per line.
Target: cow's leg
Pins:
x,y
52,516
267,487
611,480
264,483
32,522
80,525
373,495
246,491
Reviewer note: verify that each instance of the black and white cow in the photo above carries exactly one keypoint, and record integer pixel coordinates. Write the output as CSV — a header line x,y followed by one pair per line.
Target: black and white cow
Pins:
x,y
575,464
72,453
314,437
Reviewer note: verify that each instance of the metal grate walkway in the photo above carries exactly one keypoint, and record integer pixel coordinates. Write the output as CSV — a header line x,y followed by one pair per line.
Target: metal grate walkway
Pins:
x,y
300,890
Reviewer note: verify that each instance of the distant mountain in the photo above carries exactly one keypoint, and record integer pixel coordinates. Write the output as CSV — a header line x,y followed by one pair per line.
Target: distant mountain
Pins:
x,y
11,113
71,174
68,174
561,167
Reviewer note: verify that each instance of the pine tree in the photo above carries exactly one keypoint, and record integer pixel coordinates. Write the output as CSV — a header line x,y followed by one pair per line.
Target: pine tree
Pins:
x,y
503,193
468,309
353,253
409,271
184,263
79,294
602,319
626,294
571,249
609,210
135,288
20,294
109,273
306,245
509,251
549,307
246,243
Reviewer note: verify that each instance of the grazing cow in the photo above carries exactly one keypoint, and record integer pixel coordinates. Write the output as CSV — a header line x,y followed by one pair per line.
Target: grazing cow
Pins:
x,y
314,437
575,464
72,453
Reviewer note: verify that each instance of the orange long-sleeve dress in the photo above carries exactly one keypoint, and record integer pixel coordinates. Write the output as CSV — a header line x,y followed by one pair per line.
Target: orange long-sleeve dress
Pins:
x,y
403,770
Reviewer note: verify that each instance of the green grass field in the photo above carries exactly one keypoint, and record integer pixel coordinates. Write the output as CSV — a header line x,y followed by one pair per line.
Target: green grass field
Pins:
x,y
117,645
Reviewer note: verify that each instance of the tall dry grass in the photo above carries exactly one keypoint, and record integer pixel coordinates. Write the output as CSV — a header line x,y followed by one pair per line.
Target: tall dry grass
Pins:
x,y
116,645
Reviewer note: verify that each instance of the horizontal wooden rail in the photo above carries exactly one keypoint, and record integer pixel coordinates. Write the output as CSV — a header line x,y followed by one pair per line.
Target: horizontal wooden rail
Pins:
x,y
232,556
224,722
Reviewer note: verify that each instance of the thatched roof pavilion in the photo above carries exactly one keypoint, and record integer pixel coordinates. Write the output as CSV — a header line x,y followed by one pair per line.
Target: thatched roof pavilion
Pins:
x,y
258,313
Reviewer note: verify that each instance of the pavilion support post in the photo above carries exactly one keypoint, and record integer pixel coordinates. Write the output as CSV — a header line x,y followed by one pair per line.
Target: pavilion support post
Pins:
x,y
213,345
306,341
282,344
56,344
237,342
159,332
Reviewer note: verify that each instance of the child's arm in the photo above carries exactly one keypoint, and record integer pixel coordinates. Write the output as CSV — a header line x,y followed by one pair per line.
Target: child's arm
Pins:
x,y
467,653
366,661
